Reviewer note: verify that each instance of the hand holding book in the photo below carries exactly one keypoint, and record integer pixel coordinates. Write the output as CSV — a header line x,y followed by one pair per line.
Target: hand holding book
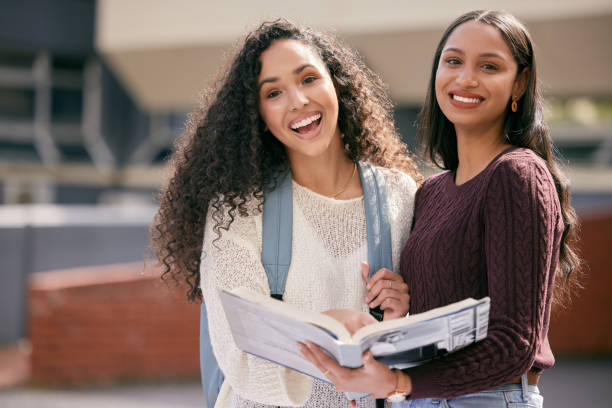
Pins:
x,y
373,377
271,329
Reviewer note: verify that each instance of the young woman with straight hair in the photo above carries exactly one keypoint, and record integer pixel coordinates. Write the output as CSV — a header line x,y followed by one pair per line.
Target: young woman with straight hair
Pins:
x,y
497,222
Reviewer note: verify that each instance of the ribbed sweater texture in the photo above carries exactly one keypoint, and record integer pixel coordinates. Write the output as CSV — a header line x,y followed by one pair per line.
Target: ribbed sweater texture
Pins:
x,y
496,235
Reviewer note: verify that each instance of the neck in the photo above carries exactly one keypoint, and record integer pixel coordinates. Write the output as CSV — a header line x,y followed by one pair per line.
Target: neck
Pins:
x,y
476,149
328,173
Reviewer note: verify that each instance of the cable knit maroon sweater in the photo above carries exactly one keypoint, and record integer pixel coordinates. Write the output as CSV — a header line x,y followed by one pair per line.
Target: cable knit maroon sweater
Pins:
x,y
496,235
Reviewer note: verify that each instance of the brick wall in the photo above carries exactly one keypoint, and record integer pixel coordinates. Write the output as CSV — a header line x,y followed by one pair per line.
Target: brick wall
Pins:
x,y
111,323
586,328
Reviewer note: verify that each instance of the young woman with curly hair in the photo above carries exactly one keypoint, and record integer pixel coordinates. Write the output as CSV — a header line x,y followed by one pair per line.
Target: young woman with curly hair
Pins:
x,y
291,98
497,223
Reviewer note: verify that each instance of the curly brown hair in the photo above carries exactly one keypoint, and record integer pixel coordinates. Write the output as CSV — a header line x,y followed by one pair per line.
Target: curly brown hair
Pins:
x,y
226,156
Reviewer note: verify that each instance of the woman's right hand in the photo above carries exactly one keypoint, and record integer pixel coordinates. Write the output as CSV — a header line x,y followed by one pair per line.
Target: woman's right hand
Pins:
x,y
388,290
372,378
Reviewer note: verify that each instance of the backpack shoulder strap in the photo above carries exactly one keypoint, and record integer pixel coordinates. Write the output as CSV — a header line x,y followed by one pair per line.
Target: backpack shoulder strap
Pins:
x,y
276,258
378,228
277,233
278,226
211,375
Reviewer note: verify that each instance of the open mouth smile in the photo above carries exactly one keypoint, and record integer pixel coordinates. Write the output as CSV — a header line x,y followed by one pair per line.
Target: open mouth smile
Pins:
x,y
307,124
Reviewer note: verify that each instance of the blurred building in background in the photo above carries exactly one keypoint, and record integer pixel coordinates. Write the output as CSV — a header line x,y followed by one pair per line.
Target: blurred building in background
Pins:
x,y
67,124
93,94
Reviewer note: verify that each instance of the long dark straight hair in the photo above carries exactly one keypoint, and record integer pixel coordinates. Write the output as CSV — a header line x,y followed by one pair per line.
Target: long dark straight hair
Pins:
x,y
524,128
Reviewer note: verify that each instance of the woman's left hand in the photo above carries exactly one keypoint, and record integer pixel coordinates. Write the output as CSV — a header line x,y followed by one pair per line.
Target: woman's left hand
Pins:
x,y
388,290
373,378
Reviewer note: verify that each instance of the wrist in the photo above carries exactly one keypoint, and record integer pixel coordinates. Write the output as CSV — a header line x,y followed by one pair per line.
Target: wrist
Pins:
x,y
390,383
407,384
402,388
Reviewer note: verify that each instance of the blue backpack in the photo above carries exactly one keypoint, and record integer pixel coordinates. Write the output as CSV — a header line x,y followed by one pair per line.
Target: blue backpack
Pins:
x,y
276,254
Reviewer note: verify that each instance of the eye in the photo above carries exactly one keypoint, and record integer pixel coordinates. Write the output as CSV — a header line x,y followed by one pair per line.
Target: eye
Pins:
x,y
272,94
489,67
309,79
453,61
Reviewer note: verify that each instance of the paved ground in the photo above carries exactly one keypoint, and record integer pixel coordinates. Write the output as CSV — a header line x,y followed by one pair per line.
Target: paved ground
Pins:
x,y
135,396
571,383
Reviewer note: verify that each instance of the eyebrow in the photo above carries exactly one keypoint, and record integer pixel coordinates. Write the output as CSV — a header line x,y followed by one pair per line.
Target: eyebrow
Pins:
x,y
486,54
274,79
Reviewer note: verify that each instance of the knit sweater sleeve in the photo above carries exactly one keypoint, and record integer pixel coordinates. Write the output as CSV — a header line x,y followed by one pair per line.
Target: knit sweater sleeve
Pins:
x,y
521,228
228,262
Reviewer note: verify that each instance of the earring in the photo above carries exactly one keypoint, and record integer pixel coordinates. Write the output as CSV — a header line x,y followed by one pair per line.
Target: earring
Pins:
x,y
514,106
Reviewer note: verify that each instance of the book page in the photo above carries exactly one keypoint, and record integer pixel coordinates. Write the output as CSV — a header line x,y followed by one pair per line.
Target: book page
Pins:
x,y
420,338
268,304
390,325
273,335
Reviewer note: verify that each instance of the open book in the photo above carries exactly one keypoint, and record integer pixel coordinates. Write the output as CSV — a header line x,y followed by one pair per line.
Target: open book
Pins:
x,y
269,328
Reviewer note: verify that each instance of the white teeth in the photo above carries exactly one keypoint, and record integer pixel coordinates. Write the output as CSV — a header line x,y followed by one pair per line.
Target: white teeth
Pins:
x,y
466,100
306,121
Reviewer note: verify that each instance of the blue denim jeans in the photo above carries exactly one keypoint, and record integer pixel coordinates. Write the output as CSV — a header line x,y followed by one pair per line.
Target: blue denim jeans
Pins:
x,y
504,396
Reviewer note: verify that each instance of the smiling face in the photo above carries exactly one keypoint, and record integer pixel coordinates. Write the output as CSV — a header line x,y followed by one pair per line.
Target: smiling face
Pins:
x,y
297,99
477,77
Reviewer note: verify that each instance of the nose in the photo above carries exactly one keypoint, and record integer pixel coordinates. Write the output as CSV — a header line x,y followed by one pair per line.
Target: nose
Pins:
x,y
297,99
467,78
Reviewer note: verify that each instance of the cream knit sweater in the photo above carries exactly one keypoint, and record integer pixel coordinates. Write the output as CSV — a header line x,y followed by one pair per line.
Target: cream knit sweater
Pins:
x,y
329,243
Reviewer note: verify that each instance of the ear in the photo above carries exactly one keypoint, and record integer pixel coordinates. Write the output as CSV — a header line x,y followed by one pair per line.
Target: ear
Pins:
x,y
520,83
